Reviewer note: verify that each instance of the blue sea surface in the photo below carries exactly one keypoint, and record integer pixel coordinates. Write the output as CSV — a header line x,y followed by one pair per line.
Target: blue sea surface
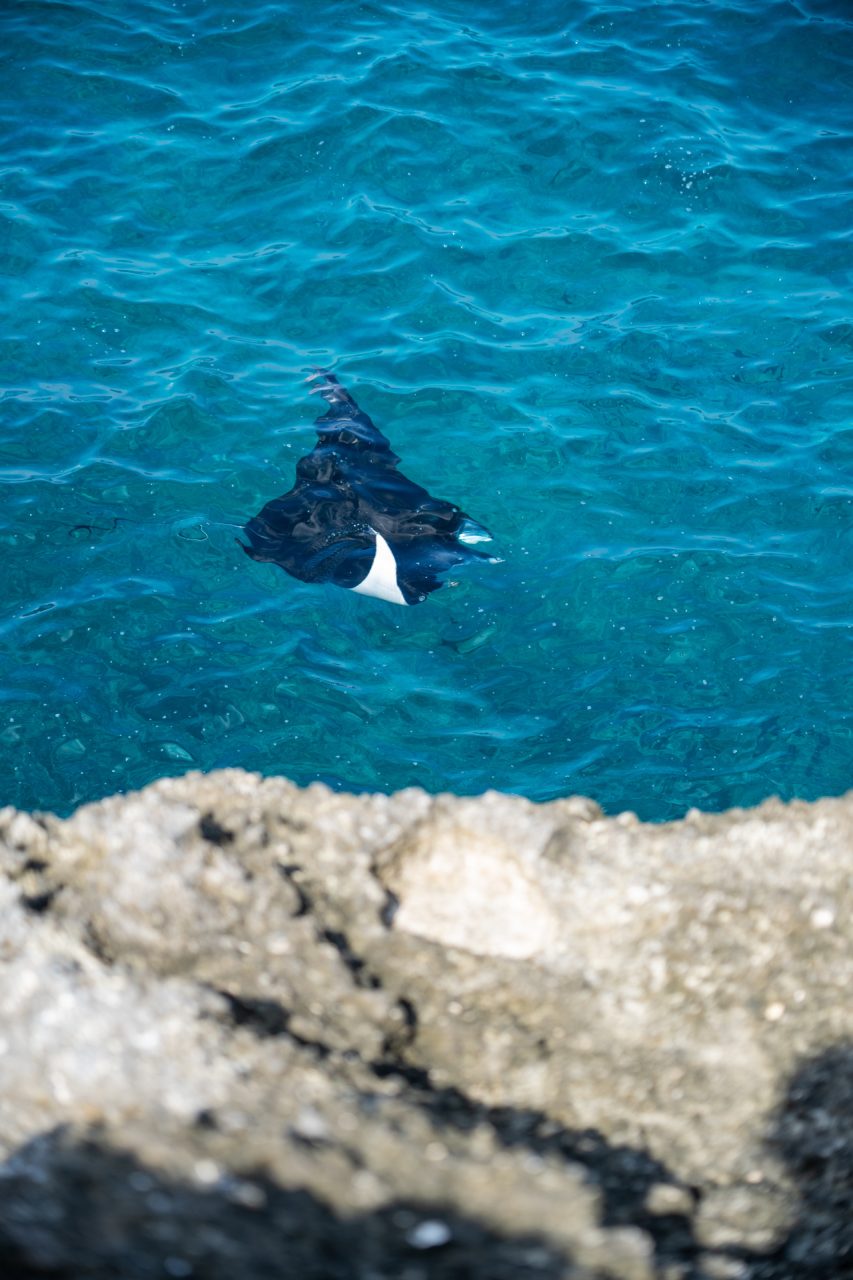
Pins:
x,y
588,265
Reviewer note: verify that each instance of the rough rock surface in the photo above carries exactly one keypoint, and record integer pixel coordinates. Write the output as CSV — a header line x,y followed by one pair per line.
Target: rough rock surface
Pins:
x,y
248,1030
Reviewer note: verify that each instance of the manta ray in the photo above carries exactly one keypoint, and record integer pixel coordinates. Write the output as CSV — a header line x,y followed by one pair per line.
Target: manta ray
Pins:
x,y
353,520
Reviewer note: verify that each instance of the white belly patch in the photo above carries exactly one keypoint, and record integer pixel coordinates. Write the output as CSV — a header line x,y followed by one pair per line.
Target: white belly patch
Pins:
x,y
381,581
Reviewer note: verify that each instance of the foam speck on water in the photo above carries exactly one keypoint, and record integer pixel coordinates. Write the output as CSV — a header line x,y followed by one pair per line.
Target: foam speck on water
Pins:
x,y
587,267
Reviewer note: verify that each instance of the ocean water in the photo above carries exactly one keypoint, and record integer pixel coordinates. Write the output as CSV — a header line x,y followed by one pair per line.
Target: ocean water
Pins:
x,y
588,265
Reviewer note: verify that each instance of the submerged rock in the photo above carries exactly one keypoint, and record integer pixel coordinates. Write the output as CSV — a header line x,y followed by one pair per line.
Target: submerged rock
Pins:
x,y
248,1029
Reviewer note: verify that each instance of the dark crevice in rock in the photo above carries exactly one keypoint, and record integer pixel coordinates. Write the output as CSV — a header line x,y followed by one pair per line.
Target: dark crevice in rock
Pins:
x,y
355,964
389,908
400,1039
336,938
410,1016
623,1175
39,903
264,1017
290,871
213,831
34,865
267,1018
417,1077
37,890
310,1141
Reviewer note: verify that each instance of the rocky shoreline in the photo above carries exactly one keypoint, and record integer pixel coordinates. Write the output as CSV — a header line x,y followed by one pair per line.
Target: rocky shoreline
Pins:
x,y
248,1030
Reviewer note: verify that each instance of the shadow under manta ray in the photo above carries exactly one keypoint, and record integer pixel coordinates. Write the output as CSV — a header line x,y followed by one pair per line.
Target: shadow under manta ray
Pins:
x,y
353,520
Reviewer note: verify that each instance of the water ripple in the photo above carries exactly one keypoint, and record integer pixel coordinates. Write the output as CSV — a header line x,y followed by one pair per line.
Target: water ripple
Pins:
x,y
588,267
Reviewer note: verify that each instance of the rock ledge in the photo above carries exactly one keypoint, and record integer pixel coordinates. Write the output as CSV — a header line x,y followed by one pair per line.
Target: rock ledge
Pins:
x,y
251,1030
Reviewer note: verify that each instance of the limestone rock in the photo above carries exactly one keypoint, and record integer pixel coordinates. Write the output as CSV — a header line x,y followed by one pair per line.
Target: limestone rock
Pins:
x,y
252,1029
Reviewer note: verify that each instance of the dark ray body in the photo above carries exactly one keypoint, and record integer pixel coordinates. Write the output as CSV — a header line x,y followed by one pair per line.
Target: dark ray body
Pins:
x,y
352,519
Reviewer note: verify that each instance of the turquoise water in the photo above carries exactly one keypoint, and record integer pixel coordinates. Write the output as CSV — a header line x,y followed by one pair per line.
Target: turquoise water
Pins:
x,y
587,264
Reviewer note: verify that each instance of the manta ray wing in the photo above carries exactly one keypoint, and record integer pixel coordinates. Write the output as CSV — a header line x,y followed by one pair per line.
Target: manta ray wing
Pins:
x,y
354,520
